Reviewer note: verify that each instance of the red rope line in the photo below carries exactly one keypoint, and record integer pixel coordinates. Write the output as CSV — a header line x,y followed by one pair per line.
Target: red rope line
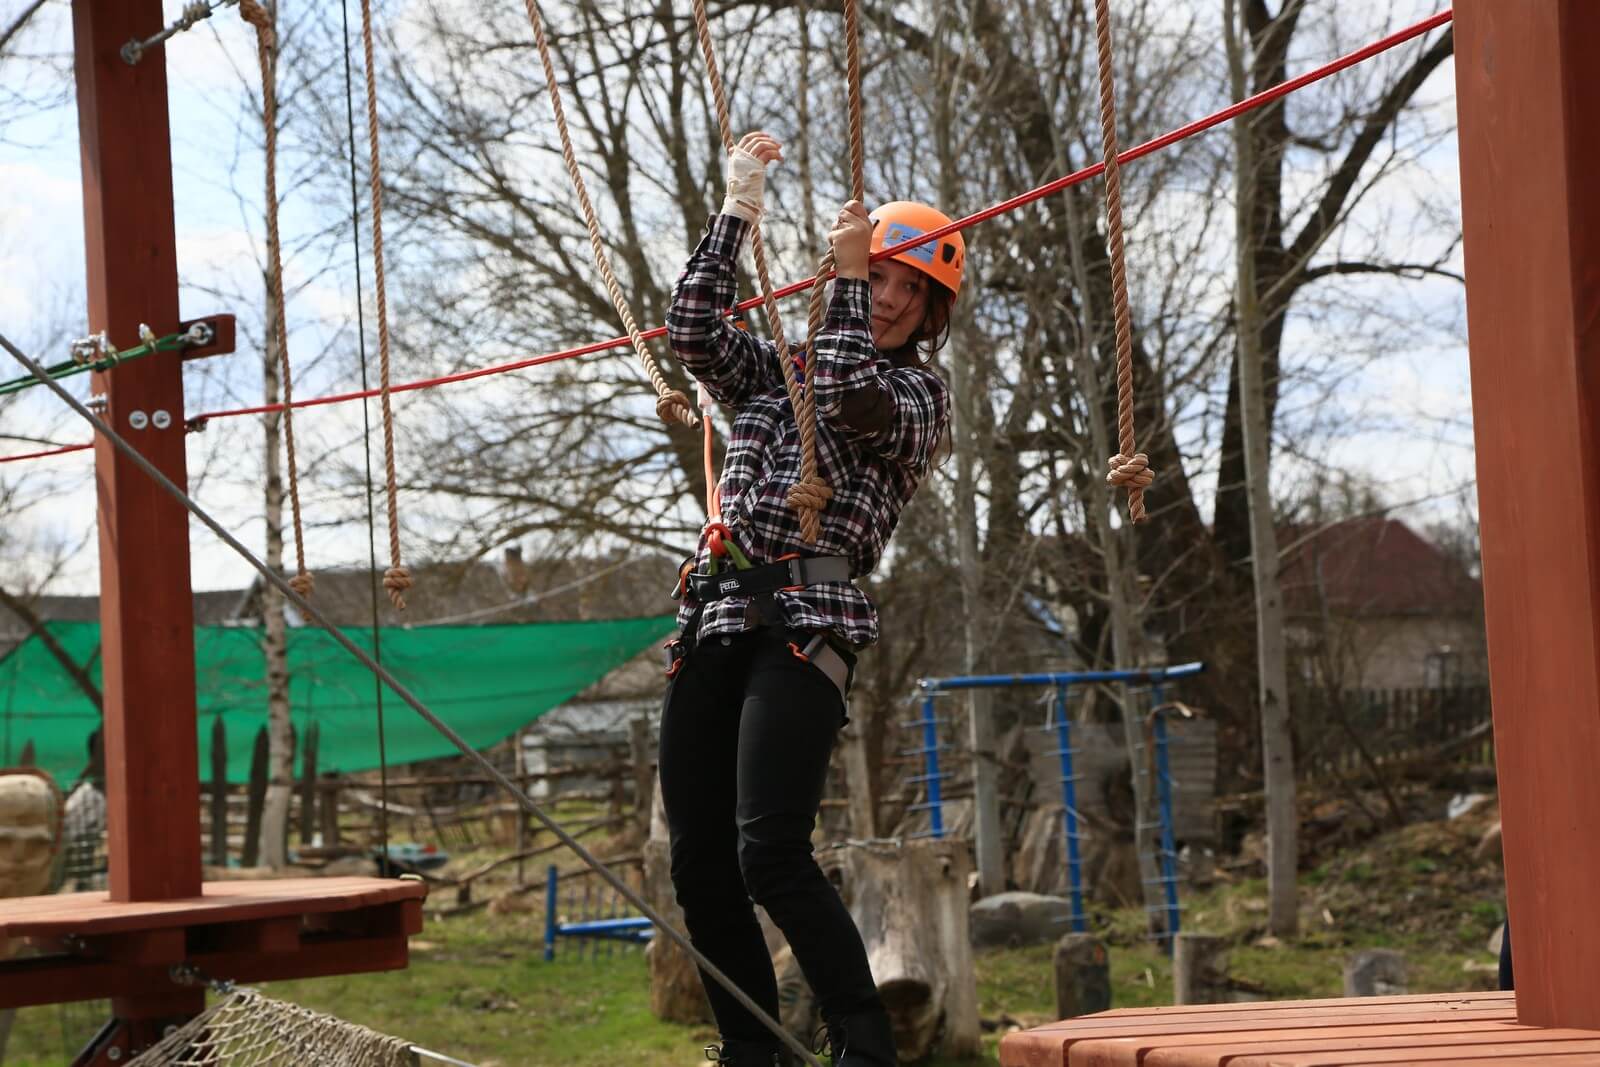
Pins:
x,y
1166,140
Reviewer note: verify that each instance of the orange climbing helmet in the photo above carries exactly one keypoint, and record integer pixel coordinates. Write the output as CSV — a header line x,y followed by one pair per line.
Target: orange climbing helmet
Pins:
x,y
905,220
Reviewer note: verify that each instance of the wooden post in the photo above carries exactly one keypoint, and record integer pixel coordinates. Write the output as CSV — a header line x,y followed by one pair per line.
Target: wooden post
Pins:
x,y
330,810
219,793
643,772
1199,969
255,801
27,759
308,787
1083,976
1529,113
146,611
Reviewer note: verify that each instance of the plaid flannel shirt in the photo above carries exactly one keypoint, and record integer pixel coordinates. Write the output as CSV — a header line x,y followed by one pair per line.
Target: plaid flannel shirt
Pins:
x,y
873,474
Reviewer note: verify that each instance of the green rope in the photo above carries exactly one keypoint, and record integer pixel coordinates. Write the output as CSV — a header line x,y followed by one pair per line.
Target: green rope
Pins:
x,y
67,368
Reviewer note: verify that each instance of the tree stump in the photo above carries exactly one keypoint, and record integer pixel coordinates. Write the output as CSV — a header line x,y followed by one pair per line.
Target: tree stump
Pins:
x,y
1200,970
910,903
676,994
1375,972
1083,976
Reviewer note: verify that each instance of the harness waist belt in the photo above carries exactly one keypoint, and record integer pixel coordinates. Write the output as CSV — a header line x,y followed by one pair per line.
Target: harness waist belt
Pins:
x,y
767,578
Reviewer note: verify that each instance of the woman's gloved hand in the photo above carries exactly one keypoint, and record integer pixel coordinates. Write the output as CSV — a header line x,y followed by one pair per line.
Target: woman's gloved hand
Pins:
x,y
747,174
851,238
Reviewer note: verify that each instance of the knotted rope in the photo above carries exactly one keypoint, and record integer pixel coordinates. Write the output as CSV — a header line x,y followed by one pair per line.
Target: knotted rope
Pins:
x,y
811,493
671,404
397,579
1129,467
266,43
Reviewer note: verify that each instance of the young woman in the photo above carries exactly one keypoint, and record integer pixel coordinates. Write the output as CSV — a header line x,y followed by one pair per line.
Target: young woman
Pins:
x,y
761,665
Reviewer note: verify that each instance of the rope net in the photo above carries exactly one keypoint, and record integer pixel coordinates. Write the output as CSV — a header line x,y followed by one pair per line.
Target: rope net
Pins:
x,y
246,1029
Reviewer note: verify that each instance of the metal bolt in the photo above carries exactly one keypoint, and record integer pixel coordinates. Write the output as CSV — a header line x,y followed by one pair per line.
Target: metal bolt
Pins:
x,y
161,419
138,420
97,403
113,1053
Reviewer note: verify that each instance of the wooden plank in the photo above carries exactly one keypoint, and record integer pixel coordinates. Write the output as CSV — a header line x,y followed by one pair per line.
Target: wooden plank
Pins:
x,y
1467,1039
58,979
90,914
1523,1052
146,609
1139,1020
1529,134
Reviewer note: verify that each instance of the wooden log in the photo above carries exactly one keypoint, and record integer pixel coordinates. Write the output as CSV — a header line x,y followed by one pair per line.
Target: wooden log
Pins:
x,y
1200,970
308,786
258,800
910,903
30,825
1083,976
219,793
676,994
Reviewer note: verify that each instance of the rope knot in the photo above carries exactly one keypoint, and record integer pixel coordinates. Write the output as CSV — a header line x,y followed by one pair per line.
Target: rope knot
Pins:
x,y
1130,471
257,16
396,580
808,497
672,406
304,584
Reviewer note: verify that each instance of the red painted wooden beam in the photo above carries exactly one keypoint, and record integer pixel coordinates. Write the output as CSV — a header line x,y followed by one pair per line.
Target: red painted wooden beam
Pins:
x,y
146,613
1529,110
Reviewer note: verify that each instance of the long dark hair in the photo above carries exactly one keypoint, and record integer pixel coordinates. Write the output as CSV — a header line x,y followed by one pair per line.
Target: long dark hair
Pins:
x,y
932,335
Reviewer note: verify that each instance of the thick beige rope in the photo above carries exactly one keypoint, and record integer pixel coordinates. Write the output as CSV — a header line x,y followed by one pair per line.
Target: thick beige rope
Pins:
x,y
811,492
671,405
397,579
807,501
1129,467
266,42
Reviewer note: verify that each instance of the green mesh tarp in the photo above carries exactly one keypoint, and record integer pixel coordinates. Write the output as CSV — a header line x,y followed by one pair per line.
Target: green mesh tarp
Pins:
x,y
485,681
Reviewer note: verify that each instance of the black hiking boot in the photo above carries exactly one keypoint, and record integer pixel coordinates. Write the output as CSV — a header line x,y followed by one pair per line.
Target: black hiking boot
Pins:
x,y
748,1054
862,1040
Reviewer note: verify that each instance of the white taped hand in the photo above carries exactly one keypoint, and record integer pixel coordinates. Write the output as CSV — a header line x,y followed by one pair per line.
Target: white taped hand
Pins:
x,y
747,180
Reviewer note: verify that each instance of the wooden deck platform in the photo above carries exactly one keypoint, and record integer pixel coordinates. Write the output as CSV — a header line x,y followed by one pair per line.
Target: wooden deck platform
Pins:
x,y
251,931
1455,1030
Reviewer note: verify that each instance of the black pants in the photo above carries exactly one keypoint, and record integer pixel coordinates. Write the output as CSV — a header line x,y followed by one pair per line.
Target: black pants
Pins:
x,y
746,733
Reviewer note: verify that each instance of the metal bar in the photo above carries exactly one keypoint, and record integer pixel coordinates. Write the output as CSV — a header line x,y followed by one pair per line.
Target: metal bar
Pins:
x,y
997,681
930,741
552,904
439,1057
1069,813
1169,866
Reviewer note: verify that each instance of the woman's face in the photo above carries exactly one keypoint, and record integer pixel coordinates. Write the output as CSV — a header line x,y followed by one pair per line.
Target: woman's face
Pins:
x,y
899,302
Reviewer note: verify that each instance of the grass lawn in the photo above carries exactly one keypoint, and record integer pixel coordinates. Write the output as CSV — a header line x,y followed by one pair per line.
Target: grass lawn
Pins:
x,y
478,988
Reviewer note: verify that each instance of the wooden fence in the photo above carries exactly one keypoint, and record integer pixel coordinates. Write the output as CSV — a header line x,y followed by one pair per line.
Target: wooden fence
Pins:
x,y
1340,733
